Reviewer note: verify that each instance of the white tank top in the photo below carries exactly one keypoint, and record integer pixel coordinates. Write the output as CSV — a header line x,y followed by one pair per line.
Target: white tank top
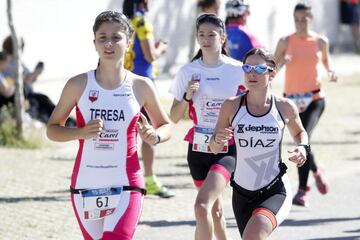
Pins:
x,y
258,146
111,158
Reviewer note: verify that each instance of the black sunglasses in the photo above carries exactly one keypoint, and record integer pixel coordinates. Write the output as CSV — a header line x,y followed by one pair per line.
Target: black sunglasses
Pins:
x,y
210,18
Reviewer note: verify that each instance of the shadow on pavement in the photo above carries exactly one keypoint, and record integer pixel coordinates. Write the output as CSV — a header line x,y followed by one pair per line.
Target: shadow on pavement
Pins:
x,y
32,199
312,222
172,174
353,231
62,158
164,223
337,238
353,133
162,157
182,165
60,191
354,159
349,142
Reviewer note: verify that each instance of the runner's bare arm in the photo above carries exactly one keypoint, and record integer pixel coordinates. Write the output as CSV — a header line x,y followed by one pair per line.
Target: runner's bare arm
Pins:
x,y
324,46
147,96
280,57
293,122
71,93
223,131
151,50
178,108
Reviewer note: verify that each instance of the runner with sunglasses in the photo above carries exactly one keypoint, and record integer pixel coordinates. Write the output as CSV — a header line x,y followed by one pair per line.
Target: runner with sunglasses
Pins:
x,y
203,85
302,53
107,184
261,189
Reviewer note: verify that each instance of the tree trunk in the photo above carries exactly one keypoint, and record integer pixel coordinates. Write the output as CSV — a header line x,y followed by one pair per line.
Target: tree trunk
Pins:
x,y
19,93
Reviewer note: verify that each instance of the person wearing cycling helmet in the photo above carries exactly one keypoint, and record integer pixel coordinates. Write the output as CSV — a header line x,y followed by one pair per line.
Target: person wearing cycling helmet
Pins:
x,y
240,40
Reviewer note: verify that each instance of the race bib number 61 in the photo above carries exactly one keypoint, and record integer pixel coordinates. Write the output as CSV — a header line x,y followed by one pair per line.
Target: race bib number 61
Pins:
x,y
101,202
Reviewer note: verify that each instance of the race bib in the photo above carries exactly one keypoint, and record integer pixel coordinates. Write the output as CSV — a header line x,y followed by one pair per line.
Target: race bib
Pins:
x,y
302,101
201,140
101,202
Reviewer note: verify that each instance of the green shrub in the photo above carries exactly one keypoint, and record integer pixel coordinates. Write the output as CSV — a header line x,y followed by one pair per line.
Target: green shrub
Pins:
x,y
8,132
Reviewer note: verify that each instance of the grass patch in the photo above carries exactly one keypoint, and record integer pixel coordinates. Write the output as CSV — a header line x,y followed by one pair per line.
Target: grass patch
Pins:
x,y
32,138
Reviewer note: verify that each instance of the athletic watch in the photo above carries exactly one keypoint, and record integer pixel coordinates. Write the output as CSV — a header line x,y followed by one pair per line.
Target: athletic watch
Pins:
x,y
307,148
184,97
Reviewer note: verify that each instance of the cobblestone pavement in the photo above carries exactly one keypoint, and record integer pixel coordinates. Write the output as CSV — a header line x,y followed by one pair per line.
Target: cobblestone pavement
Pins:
x,y
35,203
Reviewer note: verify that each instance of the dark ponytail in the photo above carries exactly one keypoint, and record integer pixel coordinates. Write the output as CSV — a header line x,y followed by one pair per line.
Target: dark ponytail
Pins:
x,y
197,56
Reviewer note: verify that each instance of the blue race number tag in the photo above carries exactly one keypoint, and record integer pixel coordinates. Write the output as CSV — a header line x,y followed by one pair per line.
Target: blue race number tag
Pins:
x,y
302,101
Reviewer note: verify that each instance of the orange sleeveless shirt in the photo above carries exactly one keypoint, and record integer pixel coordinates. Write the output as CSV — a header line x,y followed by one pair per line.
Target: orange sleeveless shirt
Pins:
x,y
302,73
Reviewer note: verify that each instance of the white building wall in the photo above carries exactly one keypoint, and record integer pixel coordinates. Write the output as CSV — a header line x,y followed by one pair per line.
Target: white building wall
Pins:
x,y
59,32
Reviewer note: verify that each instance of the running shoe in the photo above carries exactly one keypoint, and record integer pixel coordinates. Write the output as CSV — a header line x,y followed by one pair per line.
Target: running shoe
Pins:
x,y
321,181
154,187
300,198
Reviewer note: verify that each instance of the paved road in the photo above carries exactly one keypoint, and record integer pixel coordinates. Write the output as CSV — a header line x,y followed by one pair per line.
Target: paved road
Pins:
x,y
34,201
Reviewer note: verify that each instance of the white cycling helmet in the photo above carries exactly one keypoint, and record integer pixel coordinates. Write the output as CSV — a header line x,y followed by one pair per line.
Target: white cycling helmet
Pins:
x,y
235,8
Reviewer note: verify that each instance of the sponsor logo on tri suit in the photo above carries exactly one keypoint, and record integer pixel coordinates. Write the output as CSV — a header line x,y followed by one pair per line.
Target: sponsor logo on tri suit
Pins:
x,y
101,166
214,104
93,95
261,129
241,128
104,146
109,135
122,95
107,114
105,140
265,143
213,79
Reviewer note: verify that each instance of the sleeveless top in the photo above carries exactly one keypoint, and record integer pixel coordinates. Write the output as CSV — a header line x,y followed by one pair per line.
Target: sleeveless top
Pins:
x,y
258,146
302,73
110,159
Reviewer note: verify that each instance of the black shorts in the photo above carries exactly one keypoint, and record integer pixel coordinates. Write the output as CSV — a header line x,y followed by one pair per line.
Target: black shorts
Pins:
x,y
200,163
349,13
275,200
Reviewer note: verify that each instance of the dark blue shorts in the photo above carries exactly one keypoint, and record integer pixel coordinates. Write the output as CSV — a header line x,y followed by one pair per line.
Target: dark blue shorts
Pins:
x,y
349,13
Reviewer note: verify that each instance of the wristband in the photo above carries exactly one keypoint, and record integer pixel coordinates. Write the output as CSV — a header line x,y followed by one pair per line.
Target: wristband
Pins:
x,y
307,148
184,97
